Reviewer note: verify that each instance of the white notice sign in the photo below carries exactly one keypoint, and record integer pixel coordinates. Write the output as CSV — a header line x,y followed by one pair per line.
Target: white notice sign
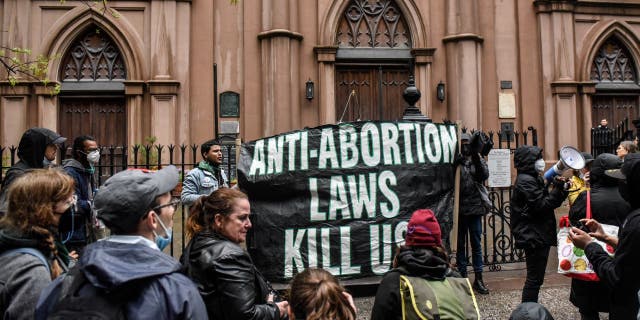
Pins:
x,y
499,163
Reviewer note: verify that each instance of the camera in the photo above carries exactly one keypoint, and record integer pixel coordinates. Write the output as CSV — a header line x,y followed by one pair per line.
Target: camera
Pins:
x,y
582,227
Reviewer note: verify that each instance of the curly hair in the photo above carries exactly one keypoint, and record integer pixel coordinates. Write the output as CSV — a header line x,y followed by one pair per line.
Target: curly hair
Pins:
x,y
31,200
202,213
315,294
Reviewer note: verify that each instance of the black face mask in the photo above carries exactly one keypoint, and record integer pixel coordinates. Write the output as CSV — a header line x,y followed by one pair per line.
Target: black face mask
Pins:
x,y
466,150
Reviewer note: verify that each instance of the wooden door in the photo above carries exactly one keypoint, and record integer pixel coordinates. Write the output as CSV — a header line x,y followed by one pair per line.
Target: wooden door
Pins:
x,y
614,109
103,118
370,92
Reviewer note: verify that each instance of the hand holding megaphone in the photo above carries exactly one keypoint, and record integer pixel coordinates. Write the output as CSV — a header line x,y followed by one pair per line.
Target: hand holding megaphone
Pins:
x,y
570,158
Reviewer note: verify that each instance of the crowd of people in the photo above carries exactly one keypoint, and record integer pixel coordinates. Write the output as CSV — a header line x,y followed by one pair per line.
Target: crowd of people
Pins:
x,y
53,267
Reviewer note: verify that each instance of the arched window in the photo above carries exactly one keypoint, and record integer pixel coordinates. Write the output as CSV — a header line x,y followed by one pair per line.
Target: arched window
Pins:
x,y
613,64
93,57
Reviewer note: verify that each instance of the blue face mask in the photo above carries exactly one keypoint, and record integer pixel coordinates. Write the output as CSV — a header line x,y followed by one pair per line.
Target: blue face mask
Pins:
x,y
163,242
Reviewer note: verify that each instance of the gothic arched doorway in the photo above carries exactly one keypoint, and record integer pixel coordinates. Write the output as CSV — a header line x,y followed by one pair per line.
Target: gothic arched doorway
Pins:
x,y
92,97
617,91
373,61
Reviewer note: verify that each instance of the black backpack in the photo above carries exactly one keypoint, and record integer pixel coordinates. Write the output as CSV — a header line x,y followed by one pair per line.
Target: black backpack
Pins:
x,y
94,303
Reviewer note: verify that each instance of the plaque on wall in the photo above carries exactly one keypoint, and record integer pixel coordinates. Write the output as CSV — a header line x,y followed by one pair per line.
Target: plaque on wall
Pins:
x,y
229,104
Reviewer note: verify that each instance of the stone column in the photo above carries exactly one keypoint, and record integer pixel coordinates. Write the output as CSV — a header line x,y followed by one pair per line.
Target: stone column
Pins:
x,y
282,88
586,90
423,60
463,47
325,90
163,113
14,120
559,79
133,91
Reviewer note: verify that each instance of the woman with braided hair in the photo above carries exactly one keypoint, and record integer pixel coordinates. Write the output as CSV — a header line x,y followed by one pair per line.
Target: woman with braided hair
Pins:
x,y
30,257
315,294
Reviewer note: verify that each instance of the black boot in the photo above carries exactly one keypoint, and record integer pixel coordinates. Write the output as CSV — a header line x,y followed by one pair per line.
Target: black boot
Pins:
x,y
478,284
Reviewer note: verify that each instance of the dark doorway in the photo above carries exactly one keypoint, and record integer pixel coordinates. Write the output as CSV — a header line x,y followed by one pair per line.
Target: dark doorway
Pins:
x,y
614,108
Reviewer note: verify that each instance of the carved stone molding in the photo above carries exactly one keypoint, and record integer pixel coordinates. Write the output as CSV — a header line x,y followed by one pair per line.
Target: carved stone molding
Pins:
x,y
373,24
326,53
423,55
613,64
279,33
463,37
161,87
94,56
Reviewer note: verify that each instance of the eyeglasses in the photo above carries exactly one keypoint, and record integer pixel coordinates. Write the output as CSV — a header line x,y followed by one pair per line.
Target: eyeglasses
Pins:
x,y
174,203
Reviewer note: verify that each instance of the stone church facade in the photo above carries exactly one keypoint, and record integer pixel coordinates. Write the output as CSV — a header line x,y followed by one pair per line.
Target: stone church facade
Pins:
x,y
141,69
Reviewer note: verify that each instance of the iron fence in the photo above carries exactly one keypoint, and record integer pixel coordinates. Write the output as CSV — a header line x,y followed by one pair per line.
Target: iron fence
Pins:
x,y
114,159
605,140
498,245
497,240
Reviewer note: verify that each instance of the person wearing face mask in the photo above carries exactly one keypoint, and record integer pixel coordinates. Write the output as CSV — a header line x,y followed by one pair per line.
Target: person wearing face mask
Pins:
x,y
473,205
137,206
75,223
229,283
620,271
533,222
29,255
37,149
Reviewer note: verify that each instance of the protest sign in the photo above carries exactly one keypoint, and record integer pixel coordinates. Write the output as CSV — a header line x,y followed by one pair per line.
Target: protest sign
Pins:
x,y
339,197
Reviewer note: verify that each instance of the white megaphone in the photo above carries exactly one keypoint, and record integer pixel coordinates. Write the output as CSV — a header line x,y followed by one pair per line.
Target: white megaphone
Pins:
x,y
570,157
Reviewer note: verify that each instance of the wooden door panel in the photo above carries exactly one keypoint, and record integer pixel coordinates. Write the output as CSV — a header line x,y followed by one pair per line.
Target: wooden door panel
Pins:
x,y
109,121
102,118
394,81
614,109
355,94
378,92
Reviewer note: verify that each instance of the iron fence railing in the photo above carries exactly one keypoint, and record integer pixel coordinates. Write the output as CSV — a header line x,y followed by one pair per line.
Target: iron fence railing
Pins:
x,y
605,140
498,243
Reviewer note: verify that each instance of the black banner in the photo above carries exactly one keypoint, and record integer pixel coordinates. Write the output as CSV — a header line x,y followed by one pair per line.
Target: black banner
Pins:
x,y
339,196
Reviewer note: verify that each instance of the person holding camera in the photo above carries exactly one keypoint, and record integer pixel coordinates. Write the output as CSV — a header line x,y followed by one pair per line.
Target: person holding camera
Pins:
x,y
230,285
533,222
607,206
473,206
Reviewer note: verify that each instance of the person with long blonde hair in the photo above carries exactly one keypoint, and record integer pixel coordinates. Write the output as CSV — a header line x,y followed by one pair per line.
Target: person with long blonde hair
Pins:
x,y
36,201
316,294
231,286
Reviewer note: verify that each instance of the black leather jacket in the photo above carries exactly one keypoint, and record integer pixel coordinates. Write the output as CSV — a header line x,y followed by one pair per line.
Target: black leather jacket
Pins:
x,y
230,285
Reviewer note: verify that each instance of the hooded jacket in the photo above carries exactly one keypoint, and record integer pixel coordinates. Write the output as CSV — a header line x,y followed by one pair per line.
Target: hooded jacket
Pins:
x,y
228,281
530,311
607,206
108,265
415,262
533,223
621,270
84,191
22,277
31,150
474,171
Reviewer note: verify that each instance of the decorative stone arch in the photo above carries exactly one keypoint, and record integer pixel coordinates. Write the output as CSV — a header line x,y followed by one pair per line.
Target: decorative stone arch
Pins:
x,y
599,34
65,31
326,52
410,12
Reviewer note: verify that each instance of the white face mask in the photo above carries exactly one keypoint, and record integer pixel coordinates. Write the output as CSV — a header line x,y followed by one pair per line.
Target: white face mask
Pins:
x,y
539,165
93,157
